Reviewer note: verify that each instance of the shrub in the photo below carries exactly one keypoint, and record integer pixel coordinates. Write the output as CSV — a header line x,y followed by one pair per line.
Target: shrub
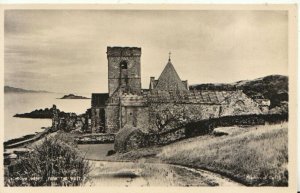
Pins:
x,y
52,163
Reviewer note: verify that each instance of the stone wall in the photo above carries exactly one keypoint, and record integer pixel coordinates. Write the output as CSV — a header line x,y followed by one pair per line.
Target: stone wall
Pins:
x,y
133,138
98,120
87,127
112,120
237,103
167,116
55,119
164,138
135,117
206,126
71,122
95,139
130,138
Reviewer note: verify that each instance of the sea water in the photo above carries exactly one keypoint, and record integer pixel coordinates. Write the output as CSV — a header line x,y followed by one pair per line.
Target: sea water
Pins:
x,y
26,102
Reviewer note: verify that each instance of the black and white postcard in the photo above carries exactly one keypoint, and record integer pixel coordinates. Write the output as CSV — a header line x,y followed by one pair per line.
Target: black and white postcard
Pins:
x,y
179,98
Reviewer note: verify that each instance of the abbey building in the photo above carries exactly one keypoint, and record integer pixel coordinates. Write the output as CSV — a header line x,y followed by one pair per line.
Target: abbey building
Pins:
x,y
167,103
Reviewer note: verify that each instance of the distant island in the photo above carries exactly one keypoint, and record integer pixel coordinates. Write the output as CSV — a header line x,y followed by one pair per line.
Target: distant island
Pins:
x,y
46,113
9,89
72,96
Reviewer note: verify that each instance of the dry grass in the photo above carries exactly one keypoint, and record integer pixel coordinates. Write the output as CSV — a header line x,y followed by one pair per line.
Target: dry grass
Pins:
x,y
253,156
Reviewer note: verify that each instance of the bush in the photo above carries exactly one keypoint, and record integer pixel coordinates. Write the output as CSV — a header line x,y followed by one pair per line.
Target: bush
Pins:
x,y
54,162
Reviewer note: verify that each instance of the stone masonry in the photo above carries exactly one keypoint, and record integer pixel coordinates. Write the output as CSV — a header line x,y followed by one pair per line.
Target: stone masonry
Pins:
x,y
167,104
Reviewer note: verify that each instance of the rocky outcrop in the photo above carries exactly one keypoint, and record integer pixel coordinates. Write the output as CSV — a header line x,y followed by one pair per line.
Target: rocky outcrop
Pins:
x,y
41,114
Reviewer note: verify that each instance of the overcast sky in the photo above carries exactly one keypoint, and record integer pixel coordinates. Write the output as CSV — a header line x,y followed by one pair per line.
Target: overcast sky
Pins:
x,y
65,51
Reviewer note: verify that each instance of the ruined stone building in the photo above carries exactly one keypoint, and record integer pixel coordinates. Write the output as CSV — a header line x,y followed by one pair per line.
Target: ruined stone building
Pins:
x,y
168,102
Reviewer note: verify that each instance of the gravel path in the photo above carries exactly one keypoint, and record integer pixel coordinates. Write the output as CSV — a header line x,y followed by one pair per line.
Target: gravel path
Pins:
x,y
106,173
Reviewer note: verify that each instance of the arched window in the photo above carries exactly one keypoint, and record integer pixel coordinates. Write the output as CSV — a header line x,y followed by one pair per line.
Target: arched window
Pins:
x,y
123,65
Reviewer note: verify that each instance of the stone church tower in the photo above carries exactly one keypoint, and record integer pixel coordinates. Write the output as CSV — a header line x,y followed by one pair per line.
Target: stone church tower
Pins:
x,y
124,70
124,77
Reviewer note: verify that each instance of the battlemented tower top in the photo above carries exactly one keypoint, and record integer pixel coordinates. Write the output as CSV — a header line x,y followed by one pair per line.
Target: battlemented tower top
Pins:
x,y
123,51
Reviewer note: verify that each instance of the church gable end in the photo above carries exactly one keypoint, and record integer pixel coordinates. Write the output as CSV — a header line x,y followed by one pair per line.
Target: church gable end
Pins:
x,y
169,79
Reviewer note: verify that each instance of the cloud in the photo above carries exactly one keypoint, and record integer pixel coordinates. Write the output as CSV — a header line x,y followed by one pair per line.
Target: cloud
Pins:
x,y
66,49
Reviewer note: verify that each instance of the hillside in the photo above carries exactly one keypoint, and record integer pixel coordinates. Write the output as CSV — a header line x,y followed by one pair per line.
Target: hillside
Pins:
x,y
273,87
9,89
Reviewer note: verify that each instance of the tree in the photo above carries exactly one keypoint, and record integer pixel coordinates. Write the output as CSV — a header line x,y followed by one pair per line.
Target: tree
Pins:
x,y
55,162
171,117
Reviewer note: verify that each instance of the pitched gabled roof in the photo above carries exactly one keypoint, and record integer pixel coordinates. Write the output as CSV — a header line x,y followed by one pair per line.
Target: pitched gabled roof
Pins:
x,y
198,97
194,96
169,79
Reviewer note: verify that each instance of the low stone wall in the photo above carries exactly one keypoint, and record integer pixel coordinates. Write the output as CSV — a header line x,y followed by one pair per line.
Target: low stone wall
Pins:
x,y
165,137
207,126
95,139
18,143
131,138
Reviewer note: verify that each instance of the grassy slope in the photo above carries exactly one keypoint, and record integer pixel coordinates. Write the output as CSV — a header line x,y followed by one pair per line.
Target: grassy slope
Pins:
x,y
252,156
273,87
